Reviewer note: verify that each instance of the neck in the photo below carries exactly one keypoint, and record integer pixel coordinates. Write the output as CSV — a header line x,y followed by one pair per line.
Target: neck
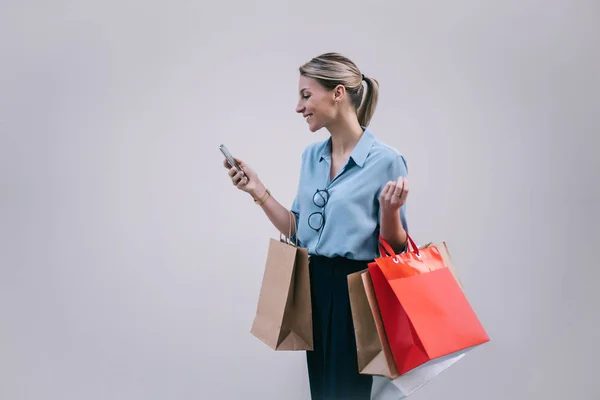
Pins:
x,y
345,133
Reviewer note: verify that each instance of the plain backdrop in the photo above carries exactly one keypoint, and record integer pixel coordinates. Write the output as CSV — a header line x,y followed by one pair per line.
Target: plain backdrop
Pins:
x,y
129,265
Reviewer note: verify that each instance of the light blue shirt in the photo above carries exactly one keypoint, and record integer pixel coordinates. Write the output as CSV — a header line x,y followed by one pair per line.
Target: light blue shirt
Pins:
x,y
351,213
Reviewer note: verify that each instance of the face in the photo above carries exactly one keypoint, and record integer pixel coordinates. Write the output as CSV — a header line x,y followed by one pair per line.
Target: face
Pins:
x,y
316,104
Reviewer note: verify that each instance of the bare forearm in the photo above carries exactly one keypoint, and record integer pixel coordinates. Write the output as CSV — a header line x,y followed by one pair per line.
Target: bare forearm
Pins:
x,y
392,231
279,216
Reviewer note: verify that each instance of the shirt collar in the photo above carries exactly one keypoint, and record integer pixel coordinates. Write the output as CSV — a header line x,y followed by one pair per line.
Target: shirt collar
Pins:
x,y
360,152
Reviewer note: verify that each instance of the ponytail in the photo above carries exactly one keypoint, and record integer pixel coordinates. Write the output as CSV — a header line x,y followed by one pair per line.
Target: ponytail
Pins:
x,y
369,101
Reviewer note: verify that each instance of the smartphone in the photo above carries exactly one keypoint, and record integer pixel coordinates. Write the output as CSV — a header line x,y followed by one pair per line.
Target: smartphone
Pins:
x,y
230,158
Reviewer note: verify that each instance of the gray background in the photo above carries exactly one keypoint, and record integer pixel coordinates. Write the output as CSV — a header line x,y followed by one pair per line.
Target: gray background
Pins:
x,y
129,265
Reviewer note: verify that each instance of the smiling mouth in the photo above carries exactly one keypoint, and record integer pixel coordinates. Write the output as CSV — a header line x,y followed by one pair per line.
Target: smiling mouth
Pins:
x,y
307,118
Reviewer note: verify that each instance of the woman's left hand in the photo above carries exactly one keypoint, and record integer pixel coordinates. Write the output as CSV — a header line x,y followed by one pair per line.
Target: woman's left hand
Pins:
x,y
393,195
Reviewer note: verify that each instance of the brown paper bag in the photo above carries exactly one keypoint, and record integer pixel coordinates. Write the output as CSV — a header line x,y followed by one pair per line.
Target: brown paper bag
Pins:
x,y
283,318
373,352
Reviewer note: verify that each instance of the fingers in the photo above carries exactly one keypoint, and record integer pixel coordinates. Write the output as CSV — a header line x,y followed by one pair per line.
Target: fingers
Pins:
x,y
243,182
385,192
400,191
400,181
398,187
395,192
405,192
237,177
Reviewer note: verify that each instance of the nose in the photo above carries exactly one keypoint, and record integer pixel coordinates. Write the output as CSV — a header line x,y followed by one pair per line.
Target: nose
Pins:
x,y
299,108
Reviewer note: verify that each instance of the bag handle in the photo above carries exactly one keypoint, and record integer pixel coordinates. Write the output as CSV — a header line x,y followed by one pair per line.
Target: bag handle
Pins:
x,y
292,223
386,250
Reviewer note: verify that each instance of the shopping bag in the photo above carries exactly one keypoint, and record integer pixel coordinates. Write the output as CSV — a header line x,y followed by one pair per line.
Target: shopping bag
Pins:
x,y
283,318
426,316
403,386
373,351
409,382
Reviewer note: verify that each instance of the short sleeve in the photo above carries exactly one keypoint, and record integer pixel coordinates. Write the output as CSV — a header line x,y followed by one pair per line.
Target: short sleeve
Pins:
x,y
396,169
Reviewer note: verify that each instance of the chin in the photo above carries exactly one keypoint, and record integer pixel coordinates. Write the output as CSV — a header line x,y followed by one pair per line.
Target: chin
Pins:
x,y
314,128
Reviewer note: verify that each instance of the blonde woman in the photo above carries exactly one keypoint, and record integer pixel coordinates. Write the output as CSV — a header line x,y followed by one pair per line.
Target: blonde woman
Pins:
x,y
352,188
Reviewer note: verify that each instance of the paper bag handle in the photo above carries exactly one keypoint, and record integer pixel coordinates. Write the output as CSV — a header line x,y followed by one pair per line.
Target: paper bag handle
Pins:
x,y
292,223
386,250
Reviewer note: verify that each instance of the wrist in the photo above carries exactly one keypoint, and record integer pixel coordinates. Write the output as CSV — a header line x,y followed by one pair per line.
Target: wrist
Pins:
x,y
258,192
391,227
390,216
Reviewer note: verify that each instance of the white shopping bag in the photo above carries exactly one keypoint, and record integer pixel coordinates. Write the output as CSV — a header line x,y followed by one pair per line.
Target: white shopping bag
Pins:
x,y
403,386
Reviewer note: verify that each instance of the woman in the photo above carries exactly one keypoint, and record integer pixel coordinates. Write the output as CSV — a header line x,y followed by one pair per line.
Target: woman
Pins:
x,y
352,189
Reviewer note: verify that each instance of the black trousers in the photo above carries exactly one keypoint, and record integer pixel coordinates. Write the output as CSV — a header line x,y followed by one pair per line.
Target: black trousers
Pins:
x,y
332,365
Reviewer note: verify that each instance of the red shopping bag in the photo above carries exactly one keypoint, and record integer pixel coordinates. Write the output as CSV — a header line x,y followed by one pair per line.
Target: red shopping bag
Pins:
x,y
425,313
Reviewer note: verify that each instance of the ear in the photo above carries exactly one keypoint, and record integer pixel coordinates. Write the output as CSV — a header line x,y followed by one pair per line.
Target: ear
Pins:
x,y
338,93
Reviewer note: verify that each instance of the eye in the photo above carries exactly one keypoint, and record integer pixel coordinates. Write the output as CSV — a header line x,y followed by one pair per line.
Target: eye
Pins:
x,y
305,97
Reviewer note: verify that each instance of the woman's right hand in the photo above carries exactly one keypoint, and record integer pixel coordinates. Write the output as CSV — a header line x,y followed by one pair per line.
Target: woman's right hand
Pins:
x,y
246,181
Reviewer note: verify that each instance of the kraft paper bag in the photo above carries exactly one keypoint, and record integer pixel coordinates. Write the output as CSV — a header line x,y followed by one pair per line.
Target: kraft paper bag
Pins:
x,y
445,253
374,356
283,318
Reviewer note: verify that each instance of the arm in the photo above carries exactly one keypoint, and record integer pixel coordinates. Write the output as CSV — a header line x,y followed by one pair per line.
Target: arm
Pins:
x,y
393,231
278,215
249,182
392,199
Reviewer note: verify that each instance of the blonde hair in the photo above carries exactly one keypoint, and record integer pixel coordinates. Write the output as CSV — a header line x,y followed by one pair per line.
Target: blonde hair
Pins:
x,y
332,69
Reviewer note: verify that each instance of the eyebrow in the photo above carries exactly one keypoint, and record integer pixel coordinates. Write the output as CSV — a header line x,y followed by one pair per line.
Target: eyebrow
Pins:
x,y
302,90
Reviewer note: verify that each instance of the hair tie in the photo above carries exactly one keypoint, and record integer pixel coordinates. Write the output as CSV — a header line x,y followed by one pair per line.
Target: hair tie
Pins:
x,y
363,77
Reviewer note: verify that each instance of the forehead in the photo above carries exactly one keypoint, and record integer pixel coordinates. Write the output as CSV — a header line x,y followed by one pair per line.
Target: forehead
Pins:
x,y
305,83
